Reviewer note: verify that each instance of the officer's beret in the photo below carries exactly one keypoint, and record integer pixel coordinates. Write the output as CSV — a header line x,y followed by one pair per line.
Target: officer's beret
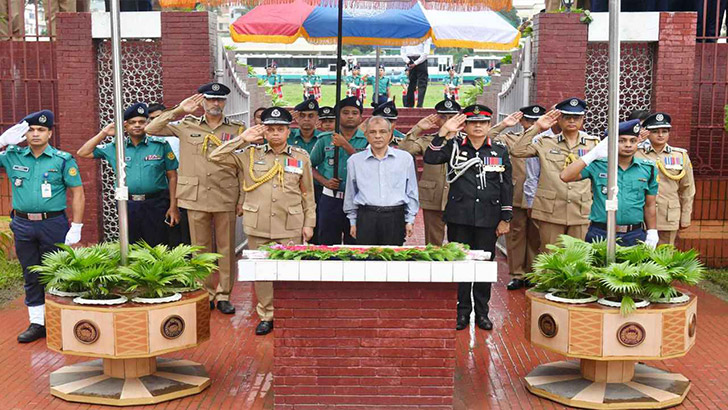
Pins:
x,y
272,64
631,127
533,112
447,107
356,67
136,110
657,120
44,118
350,102
452,67
310,67
276,115
214,90
477,112
327,113
386,110
572,106
309,104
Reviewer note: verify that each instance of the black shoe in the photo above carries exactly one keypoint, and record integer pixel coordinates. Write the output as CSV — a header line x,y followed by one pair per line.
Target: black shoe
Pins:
x,y
33,333
264,327
225,307
528,284
462,322
212,305
484,323
515,283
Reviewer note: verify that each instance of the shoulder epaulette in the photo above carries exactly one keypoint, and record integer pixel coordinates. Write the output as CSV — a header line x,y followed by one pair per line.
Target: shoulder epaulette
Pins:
x,y
591,137
191,118
62,154
676,149
157,139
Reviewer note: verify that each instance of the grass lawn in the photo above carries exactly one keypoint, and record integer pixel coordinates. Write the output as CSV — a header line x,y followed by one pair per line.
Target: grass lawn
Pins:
x,y
293,94
716,282
11,280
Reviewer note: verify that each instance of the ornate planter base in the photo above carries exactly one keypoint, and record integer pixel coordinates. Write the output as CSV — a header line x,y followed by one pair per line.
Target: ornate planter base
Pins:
x,y
615,384
129,382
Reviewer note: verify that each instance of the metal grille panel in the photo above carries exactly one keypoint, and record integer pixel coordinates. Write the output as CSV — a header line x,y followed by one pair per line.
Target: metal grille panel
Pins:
x,y
142,81
635,82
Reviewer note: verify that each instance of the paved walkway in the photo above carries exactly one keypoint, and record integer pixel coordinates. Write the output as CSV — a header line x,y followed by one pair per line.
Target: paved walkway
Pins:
x,y
490,365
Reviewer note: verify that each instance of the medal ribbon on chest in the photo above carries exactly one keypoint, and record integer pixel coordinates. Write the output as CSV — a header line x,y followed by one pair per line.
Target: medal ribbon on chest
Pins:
x,y
673,163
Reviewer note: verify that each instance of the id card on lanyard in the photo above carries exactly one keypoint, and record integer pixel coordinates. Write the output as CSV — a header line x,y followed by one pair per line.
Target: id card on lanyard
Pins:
x,y
45,187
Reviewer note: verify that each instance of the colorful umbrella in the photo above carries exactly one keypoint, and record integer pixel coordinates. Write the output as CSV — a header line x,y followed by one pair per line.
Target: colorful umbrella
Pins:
x,y
276,23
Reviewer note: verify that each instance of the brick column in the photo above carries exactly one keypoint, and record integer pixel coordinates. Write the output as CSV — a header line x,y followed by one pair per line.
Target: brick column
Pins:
x,y
184,64
348,344
77,116
674,73
560,43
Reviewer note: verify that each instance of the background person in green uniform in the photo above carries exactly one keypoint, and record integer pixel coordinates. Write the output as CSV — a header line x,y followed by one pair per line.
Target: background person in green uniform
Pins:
x,y
389,111
331,204
637,183
383,94
305,136
151,175
452,85
40,175
327,119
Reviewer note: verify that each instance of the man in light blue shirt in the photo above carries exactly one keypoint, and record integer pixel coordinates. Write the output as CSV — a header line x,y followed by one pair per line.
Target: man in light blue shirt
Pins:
x,y
381,198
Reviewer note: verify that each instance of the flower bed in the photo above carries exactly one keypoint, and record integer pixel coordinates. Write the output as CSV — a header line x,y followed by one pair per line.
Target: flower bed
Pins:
x,y
452,251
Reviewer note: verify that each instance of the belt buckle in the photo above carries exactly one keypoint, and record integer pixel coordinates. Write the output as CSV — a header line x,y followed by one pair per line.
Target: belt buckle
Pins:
x,y
138,197
35,217
622,228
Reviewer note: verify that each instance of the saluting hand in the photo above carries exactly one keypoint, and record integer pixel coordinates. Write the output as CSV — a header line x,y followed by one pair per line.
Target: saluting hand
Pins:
x,y
548,120
453,125
253,134
644,134
428,122
109,130
513,119
190,104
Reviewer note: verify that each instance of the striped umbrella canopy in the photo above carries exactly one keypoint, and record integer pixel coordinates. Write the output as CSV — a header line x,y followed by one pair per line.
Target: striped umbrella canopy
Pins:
x,y
284,23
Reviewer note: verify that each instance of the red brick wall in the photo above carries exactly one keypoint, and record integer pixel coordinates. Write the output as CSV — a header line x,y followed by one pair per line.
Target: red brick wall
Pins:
x,y
187,62
77,115
673,75
560,42
347,344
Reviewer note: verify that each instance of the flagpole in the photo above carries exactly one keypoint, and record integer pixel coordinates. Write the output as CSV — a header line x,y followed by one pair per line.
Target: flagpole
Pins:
x,y
339,66
375,93
612,128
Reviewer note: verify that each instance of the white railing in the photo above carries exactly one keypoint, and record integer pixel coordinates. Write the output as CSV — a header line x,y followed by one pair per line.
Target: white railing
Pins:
x,y
515,92
238,102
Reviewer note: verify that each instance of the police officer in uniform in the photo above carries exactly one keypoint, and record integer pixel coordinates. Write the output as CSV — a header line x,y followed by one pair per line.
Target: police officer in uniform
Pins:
x,y
558,207
432,187
306,136
277,189
480,203
207,189
327,119
40,175
677,184
389,111
333,227
522,241
637,183
151,170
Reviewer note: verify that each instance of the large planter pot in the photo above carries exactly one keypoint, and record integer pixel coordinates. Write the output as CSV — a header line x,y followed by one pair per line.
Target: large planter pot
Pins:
x,y
608,346
127,338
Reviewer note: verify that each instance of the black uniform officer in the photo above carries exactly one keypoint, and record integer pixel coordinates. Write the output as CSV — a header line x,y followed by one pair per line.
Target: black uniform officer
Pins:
x,y
480,202
40,176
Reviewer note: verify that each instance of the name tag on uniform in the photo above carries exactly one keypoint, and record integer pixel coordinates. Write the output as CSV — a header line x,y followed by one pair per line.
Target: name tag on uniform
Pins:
x,y
642,179
45,190
152,157
554,151
329,148
20,168
293,166
603,175
195,135
260,162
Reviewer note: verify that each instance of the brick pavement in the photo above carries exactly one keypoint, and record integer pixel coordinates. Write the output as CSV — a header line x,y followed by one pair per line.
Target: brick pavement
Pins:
x,y
489,365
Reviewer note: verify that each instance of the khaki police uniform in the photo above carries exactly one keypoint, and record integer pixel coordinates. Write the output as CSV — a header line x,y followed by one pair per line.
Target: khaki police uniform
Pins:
x,y
432,188
278,200
522,241
208,189
558,207
676,189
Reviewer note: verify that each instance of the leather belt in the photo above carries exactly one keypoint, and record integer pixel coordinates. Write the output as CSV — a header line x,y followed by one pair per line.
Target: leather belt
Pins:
x,y
332,193
144,197
381,209
620,228
37,216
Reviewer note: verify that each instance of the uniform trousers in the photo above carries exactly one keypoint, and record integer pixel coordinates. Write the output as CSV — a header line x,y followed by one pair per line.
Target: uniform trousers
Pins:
x,y
549,232
180,233
522,243
32,240
317,190
478,239
434,227
146,220
667,237
332,222
630,238
380,225
264,290
202,226
418,79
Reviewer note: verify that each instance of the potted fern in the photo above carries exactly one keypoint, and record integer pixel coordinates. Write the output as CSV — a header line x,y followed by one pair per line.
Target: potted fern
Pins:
x,y
155,274
88,274
682,267
565,272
